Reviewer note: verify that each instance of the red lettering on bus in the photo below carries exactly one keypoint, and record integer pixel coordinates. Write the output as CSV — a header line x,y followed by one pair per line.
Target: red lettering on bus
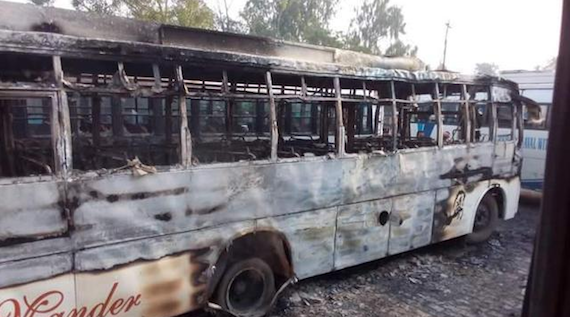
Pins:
x,y
49,303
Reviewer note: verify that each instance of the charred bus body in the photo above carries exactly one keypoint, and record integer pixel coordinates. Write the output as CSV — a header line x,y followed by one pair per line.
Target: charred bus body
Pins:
x,y
148,172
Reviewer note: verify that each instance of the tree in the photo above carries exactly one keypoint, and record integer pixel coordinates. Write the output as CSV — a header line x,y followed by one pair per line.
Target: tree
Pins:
x,y
191,13
42,2
377,24
292,20
550,65
225,23
102,7
489,69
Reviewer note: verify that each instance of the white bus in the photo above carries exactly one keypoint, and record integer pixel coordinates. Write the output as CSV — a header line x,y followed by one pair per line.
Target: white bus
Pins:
x,y
539,86
150,170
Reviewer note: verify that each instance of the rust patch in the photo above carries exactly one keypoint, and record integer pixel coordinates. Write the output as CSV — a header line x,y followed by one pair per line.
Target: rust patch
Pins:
x,y
166,308
163,288
200,265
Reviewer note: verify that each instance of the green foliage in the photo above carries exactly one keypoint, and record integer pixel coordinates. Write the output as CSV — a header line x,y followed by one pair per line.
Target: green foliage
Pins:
x,y
376,23
103,7
191,13
375,29
486,69
292,20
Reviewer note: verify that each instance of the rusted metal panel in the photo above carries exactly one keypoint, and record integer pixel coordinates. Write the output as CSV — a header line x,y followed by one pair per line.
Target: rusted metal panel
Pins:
x,y
312,235
362,232
411,222
155,289
34,269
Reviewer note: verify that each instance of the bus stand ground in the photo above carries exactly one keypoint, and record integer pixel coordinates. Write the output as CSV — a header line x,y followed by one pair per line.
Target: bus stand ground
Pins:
x,y
447,279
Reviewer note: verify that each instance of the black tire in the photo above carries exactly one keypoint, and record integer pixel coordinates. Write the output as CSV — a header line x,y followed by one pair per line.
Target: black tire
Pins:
x,y
247,288
486,221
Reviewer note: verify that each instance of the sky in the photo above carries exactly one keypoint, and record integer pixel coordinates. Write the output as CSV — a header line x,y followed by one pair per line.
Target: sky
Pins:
x,y
514,34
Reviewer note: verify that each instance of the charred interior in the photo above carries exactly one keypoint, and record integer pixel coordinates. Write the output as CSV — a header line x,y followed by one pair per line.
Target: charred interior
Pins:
x,y
120,110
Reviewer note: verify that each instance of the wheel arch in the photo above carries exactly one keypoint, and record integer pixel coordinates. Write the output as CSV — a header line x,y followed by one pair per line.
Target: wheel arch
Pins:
x,y
500,197
270,245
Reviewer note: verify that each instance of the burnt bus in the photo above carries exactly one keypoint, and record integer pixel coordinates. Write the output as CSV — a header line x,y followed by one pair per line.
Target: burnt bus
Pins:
x,y
151,170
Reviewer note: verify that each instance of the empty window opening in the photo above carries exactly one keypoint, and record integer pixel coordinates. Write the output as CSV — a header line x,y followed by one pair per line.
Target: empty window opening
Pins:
x,y
229,130
505,120
26,139
107,131
306,129
482,114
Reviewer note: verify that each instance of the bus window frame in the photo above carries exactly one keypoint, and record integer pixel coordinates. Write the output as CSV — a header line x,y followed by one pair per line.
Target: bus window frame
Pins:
x,y
59,140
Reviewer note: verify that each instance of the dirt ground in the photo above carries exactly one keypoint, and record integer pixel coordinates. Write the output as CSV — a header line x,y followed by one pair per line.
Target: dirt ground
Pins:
x,y
449,279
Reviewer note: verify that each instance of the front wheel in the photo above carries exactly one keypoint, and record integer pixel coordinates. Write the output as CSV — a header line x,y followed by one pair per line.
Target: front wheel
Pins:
x,y
486,220
247,288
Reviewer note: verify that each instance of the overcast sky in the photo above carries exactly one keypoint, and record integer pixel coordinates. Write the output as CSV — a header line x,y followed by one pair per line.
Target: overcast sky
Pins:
x,y
514,34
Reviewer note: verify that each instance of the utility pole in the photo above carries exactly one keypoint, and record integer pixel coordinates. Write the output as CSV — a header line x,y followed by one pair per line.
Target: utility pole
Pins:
x,y
447,27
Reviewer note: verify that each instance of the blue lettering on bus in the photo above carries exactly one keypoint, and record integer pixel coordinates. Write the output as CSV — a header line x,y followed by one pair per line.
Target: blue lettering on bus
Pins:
x,y
533,143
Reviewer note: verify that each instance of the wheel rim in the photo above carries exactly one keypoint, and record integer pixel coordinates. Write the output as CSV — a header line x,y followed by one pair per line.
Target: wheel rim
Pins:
x,y
482,218
246,290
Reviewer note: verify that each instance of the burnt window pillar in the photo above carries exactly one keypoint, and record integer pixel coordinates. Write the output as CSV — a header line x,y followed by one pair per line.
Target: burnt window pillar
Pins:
x,y
61,124
340,131
185,135
272,117
394,116
437,103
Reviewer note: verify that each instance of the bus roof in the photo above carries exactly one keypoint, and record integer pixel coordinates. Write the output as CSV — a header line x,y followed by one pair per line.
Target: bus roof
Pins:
x,y
25,28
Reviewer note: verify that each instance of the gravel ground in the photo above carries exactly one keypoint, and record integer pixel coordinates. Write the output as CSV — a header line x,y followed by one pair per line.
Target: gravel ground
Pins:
x,y
448,279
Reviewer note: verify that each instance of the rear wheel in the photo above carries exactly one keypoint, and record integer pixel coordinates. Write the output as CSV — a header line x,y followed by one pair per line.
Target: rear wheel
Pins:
x,y
486,220
247,288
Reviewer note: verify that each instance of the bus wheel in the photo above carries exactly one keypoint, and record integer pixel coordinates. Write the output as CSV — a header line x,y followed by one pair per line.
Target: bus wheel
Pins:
x,y
247,288
486,220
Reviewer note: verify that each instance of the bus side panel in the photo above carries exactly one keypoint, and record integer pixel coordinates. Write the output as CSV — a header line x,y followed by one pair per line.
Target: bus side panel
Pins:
x,y
33,269
170,273
31,211
48,297
420,169
369,178
362,232
455,210
168,202
33,230
152,289
534,158
302,186
411,222
312,237
504,153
